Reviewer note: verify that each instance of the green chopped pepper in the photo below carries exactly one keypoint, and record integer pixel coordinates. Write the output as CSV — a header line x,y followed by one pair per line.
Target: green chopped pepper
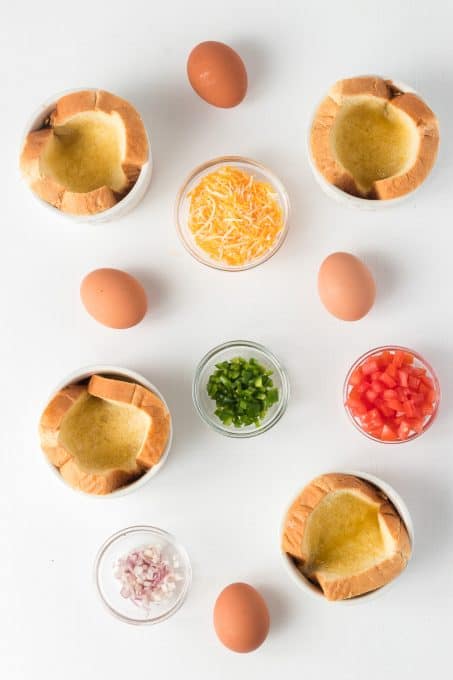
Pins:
x,y
243,391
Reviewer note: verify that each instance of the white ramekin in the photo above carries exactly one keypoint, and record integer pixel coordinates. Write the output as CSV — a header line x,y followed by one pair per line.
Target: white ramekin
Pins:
x,y
310,588
342,196
115,372
126,204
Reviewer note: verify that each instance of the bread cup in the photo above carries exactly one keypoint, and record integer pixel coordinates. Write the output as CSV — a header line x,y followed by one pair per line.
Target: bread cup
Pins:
x,y
365,170
117,386
371,579
110,192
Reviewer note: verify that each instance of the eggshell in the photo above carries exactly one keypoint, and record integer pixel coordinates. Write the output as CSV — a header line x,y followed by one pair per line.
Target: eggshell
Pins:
x,y
241,618
217,74
114,298
346,286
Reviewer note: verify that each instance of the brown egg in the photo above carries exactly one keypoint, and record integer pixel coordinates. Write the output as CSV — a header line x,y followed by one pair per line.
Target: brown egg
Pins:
x,y
241,618
217,74
346,286
114,298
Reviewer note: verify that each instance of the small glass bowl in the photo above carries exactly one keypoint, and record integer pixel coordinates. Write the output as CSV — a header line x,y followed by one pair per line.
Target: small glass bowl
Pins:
x,y
225,352
258,171
109,587
420,361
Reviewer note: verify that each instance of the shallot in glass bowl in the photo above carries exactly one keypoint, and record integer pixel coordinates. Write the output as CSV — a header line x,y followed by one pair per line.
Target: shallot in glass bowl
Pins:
x,y
142,575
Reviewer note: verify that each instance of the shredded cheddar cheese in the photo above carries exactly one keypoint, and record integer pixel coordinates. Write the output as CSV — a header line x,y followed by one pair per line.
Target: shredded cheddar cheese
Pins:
x,y
234,217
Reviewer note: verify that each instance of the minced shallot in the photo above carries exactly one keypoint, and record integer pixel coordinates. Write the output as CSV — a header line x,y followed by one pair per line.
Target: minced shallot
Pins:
x,y
146,577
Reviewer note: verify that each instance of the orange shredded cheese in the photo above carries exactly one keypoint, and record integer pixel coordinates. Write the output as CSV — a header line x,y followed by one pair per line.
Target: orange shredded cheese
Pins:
x,y
234,217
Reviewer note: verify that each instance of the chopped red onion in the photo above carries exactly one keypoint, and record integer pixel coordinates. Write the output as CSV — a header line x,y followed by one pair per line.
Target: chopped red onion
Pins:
x,y
146,577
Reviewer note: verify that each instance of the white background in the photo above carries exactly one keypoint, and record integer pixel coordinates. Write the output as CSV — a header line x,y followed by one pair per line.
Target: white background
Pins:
x,y
223,499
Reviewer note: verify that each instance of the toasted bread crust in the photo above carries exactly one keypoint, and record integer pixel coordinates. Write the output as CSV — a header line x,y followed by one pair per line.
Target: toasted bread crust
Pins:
x,y
371,86
136,395
334,587
51,420
113,390
135,153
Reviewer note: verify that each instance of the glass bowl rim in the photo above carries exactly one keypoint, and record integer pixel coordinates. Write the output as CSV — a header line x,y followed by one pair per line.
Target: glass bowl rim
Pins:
x,y
420,359
284,397
148,528
272,178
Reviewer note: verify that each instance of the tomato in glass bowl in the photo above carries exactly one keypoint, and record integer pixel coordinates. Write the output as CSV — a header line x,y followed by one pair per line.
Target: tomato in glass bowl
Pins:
x,y
391,394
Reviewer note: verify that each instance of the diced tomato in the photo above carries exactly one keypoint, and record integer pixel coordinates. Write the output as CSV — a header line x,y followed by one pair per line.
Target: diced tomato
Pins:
x,y
396,405
386,410
432,397
387,380
385,358
427,381
398,359
388,434
409,409
403,378
390,394
414,382
356,377
391,397
371,396
417,370
417,425
370,366
377,386
404,430
392,371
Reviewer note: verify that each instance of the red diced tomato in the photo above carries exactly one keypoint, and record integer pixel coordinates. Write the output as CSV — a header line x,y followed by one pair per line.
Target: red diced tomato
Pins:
x,y
404,430
403,378
390,394
377,387
391,398
385,358
386,410
370,366
387,380
418,370
432,396
402,394
371,395
417,425
398,359
409,409
356,377
388,434
392,371
414,382
427,381
395,405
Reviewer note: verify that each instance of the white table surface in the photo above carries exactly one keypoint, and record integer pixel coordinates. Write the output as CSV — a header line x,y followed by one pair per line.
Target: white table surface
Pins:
x,y
223,499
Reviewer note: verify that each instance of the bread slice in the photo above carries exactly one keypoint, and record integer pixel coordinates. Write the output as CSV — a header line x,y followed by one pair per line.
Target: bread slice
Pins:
x,y
104,434
346,536
372,140
89,153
